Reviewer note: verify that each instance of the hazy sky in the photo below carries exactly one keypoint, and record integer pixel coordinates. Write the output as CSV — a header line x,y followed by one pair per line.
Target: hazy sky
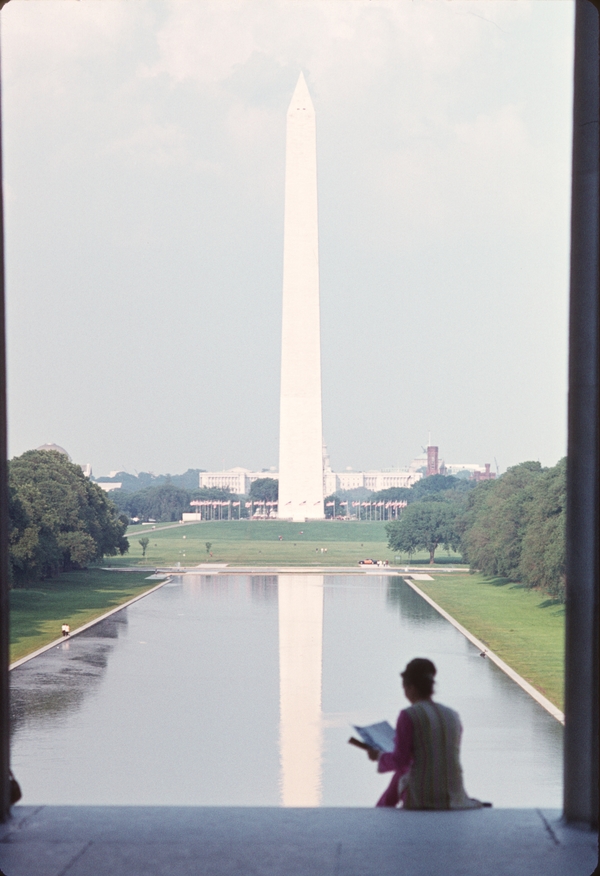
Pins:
x,y
144,168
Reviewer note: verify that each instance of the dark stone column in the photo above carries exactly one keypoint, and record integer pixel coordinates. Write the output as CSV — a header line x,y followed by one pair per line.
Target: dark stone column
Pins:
x,y
581,658
4,631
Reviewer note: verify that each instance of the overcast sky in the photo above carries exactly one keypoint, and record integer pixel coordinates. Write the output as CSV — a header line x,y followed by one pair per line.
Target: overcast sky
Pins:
x,y
144,147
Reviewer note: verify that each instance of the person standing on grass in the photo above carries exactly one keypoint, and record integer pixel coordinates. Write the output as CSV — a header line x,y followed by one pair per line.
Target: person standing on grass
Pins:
x,y
425,759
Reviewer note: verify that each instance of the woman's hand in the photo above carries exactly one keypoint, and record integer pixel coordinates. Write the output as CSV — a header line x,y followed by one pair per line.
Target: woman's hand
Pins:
x,y
373,753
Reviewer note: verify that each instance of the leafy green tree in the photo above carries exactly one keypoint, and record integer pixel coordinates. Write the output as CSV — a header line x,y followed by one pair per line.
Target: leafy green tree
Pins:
x,y
543,552
215,494
59,519
436,484
164,503
343,501
208,546
423,526
188,480
496,520
145,541
264,490
514,527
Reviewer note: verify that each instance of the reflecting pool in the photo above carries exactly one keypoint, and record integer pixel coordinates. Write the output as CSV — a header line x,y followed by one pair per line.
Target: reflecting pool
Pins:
x,y
232,689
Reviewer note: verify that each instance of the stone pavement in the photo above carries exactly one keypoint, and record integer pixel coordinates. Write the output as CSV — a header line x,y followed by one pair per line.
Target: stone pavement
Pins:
x,y
193,841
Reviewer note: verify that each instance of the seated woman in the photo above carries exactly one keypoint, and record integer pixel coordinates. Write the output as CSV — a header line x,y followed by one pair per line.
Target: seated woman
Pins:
x,y
425,759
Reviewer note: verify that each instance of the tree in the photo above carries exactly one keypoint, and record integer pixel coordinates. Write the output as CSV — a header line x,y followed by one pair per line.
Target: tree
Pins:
x,y
145,541
343,500
543,551
215,494
164,502
393,494
436,484
264,490
59,519
495,521
208,546
514,527
423,526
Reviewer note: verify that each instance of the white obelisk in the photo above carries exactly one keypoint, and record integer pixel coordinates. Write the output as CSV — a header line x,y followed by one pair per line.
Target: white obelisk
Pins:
x,y
300,429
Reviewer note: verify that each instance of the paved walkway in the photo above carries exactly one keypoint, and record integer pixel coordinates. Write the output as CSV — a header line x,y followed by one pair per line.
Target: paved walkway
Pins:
x,y
190,841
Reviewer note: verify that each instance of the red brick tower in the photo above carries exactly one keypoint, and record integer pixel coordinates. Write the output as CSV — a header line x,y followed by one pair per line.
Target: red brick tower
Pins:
x,y
432,461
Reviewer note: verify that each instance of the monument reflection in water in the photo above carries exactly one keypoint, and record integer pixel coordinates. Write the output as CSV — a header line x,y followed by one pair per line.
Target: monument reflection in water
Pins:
x,y
300,600
241,690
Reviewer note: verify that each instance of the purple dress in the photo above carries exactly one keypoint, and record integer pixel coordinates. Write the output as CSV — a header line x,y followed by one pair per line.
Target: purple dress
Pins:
x,y
398,760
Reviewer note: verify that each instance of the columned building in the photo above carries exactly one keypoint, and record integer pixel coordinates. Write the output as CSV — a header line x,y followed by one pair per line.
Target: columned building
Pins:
x,y
238,480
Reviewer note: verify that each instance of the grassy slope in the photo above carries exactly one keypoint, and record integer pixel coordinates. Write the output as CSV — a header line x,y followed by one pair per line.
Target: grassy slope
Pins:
x,y
524,627
75,598
254,542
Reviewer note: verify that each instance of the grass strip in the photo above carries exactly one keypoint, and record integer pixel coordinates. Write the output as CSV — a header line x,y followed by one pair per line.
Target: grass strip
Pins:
x,y
524,627
265,543
75,598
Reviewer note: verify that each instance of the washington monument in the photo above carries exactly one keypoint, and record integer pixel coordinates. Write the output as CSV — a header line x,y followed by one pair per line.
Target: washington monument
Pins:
x,y
300,425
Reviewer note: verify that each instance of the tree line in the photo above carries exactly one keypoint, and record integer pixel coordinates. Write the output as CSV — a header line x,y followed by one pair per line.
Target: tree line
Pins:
x,y
512,527
166,502
349,502
58,519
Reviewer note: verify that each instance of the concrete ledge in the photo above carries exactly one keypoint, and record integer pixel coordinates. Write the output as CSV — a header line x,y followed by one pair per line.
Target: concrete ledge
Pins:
x,y
189,841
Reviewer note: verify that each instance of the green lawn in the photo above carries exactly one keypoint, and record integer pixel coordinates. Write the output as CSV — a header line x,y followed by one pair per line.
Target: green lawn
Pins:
x,y
256,542
523,627
74,598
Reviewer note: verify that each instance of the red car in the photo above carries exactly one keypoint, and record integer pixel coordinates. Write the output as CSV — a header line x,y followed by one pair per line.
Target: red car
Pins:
x,y
367,562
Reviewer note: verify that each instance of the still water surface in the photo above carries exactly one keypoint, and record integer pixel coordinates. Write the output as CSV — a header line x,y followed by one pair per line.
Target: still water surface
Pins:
x,y
240,690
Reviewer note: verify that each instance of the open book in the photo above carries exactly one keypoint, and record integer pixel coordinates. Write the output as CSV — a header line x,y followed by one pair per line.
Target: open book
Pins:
x,y
380,736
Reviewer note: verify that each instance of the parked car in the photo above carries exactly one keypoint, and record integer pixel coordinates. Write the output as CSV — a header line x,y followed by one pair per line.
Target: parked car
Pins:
x,y
367,562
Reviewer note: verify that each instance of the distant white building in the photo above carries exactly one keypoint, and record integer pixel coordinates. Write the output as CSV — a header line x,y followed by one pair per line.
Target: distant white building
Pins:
x,y
453,468
384,479
419,463
370,480
109,486
238,480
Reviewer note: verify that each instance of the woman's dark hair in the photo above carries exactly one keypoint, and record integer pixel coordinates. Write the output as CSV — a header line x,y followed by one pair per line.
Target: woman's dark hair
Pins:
x,y
420,672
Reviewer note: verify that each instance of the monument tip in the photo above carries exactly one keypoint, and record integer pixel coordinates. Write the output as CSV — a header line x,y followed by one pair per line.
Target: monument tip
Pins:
x,y
301,98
